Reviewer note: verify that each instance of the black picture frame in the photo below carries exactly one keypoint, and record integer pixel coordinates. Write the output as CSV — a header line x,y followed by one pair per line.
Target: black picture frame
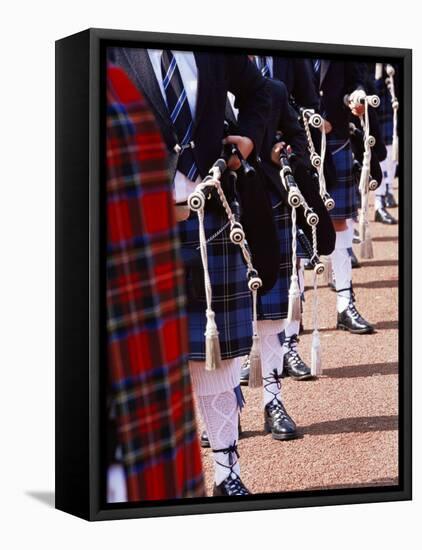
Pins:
x,y
80,290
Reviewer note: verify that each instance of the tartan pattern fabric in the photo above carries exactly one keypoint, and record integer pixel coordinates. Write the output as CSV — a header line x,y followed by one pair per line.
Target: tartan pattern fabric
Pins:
x,y
149,379
345,192
384,111
275,303
231,299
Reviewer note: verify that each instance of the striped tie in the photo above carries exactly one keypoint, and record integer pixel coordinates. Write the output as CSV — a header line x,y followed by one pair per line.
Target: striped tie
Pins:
x,y
317,66
263,65
180,114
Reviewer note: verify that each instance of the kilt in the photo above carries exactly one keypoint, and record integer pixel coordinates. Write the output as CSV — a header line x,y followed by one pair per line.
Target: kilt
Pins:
x,y
345,193
274,304
149,386
231,298
385,112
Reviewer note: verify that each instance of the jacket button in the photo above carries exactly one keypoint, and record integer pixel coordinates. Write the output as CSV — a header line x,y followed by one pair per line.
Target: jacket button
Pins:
x,y
321,93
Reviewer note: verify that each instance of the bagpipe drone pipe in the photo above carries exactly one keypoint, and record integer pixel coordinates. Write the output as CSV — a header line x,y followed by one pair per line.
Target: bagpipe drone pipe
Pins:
x,y
312,121
306,234
379,151
306,180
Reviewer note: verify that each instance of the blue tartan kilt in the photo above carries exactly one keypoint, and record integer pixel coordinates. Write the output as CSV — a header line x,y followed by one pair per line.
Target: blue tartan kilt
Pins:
x,y
231,298
385,112
274,304
345,193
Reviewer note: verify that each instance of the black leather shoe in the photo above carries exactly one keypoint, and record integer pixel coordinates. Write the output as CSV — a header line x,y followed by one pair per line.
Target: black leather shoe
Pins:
x,y
232,486
390,200
278,422
382,216
293,365
356,238
244,373
354,260
350,319
204,441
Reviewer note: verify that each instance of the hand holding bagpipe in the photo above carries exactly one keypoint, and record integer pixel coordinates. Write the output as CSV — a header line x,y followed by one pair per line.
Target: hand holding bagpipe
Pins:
x,y
358,101
236,150
282,155
229,154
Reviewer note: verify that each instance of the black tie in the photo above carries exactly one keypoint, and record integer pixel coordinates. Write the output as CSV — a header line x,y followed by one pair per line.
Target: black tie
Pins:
x,y
180,114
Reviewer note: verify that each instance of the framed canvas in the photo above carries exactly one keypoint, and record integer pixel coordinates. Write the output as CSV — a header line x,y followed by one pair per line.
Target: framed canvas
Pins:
x,y
203,186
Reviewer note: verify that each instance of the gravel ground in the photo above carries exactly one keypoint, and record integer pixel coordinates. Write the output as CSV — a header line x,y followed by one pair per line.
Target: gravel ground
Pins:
x,y
348,417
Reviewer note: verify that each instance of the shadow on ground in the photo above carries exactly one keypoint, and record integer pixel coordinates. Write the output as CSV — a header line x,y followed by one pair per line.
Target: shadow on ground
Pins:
x,y
381,482
385,283
359,424
358,371
385,239
379,263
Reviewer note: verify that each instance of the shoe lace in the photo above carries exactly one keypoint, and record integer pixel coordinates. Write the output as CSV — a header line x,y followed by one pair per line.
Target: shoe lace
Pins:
x,y
235,485
233,481
291,342
273,378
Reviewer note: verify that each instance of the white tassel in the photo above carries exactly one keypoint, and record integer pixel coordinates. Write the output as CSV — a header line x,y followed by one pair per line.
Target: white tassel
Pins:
x,y
316,365
212,343
366,248
294,311
395,148
328,271
255,366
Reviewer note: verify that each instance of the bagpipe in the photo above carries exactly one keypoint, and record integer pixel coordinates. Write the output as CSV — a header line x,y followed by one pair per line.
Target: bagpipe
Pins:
x,y
236,192
395,105
311,119
366,182
298,203
357,140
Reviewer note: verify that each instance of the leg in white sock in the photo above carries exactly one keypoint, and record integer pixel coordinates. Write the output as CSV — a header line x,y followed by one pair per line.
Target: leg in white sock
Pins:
x,y
219,409
342,268
272,355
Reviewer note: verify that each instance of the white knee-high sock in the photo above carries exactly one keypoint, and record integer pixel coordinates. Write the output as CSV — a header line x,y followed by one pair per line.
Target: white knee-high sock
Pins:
x,y
390,168
219,409
382,189
292,328
272,355
221,416
342,267
351,228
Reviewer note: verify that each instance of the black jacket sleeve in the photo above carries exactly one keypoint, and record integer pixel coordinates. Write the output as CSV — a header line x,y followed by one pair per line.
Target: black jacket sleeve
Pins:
x,y
252,97
288,123
304,92
354,76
